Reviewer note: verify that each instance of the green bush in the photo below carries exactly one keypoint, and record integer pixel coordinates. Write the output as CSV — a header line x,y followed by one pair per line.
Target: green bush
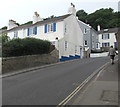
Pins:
x,y
27,46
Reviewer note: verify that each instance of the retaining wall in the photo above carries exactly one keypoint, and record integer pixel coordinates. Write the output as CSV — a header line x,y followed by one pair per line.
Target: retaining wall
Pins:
x,y
23,62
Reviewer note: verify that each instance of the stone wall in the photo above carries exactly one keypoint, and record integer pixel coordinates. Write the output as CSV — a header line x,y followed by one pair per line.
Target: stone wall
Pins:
x,y
29,61
118,40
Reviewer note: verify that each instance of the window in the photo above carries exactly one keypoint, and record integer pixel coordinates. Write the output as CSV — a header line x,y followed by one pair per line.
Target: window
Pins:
x,y
45,29
85,43
15,34
85,31
66,45
32,31
35,30
50,28
97,45
106,36
28,32
107,44
93,45
75,49
65,28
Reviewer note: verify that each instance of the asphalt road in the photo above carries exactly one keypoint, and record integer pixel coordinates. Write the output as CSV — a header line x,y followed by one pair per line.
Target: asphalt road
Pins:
x,y
50,85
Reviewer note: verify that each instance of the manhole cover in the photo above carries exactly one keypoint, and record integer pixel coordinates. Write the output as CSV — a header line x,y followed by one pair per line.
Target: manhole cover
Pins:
x,y
108,95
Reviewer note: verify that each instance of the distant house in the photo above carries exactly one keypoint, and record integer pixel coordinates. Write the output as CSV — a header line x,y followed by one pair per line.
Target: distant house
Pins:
x,y
107,37
90,37
64,32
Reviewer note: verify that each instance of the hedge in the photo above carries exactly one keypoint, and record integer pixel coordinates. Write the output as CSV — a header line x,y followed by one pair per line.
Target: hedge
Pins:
x,y
27,46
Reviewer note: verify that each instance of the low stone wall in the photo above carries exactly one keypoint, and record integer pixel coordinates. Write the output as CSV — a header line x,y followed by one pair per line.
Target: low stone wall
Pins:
x,y
29,61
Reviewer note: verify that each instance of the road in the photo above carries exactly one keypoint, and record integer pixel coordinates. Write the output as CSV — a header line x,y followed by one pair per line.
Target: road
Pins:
x,y
50,85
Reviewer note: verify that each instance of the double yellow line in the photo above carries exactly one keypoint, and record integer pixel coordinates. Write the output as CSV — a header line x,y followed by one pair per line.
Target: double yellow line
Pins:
x,y
69,97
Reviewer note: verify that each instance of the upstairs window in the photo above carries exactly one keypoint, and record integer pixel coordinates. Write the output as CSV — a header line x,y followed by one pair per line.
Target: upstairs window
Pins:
x,y
28,32
32,31
65,28
106,36
35,30
16,34
50,28
85,31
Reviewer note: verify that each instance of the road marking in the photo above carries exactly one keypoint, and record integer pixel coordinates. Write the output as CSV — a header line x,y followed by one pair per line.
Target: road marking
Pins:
x,y
69,97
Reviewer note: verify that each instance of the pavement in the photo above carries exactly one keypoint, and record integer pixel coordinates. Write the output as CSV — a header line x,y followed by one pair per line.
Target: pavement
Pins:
x,y
102,90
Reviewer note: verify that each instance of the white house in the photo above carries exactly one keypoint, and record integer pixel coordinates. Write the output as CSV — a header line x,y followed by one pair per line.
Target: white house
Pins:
x,y
107,37
63,31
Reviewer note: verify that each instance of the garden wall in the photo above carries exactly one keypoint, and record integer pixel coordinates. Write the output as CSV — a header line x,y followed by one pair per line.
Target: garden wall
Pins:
x,y
22,62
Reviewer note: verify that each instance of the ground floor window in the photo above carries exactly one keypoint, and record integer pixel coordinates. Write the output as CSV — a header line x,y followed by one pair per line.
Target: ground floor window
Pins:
x,y
107,44
66,45
85,43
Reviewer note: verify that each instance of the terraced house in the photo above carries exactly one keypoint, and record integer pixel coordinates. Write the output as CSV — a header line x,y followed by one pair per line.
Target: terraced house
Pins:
x,y
64,32
107,38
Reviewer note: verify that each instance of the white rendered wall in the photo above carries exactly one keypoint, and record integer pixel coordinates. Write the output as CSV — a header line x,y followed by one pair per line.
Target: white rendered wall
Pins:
x,y
111,40
51,36
73,36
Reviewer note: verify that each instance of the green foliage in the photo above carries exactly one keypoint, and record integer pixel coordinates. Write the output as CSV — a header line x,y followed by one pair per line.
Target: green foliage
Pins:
x,y
27,46
81,15
50,17
29,22
3,28
4,38
106,18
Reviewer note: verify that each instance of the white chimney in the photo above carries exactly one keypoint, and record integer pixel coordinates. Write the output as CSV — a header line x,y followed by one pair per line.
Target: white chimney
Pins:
x,y
36,17
77,17
72,9
98,27
12,24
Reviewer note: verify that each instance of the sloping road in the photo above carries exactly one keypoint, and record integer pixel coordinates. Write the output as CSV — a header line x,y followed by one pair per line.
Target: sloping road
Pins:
x,y
48,86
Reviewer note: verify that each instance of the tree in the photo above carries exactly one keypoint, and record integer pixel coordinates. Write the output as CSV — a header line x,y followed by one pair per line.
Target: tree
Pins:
x,y
106,18
4,38
81,15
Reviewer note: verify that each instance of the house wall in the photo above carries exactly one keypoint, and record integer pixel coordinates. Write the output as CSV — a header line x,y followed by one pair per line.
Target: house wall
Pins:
x,y
21,33
90,36
95,40
73,36
86,36
111,40
51,36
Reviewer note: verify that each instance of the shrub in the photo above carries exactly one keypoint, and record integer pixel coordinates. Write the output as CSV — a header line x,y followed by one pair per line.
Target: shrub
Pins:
x,y
27,46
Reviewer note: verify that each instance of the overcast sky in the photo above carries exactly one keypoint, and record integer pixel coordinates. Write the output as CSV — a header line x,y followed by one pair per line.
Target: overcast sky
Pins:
x,y
22,10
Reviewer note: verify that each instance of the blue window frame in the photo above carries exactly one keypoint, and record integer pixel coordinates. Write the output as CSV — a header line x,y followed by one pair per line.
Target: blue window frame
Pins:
x,y
50,28
28,32
35,30
54,27
45,28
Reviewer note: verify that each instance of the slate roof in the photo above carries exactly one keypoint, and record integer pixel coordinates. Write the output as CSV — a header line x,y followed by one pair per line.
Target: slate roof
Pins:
x,y
110,30
55,19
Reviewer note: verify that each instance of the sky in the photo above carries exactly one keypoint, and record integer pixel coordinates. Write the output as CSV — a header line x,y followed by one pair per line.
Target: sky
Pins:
x,y
22,10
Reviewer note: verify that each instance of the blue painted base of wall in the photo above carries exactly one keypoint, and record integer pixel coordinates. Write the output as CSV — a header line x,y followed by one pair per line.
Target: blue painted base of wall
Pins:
x,y
64,58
